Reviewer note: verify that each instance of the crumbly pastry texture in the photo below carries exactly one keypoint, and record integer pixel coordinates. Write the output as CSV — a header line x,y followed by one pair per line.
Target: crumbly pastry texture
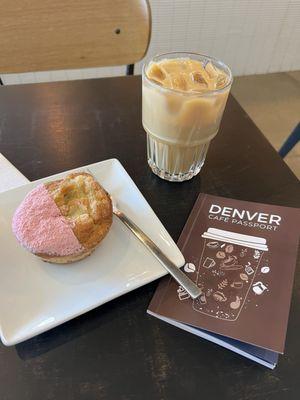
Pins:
x,y
72,218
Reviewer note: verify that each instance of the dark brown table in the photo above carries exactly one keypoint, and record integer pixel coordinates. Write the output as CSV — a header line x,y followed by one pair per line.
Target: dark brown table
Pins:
x,y
117,351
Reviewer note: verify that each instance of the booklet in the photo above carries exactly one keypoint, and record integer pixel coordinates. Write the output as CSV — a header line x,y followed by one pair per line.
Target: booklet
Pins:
x,y
242,255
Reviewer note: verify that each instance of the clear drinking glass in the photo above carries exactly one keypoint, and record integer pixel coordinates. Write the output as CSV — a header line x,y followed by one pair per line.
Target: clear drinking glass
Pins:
x,y
180,124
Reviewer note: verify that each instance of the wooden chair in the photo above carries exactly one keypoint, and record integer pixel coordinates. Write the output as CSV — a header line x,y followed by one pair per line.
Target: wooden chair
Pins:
x,y
42,35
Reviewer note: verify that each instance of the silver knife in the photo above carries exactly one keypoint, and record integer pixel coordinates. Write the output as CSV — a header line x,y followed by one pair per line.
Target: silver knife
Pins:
x,y
191,288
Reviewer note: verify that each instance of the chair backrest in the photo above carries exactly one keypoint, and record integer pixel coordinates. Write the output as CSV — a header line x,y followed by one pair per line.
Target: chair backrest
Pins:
x,y
39,35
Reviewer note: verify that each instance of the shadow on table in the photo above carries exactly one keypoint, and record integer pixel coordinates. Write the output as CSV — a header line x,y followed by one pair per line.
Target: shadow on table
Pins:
x,y
109,316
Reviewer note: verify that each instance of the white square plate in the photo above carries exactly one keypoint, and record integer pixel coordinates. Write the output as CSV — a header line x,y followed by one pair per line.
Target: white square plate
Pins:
x,y
36,296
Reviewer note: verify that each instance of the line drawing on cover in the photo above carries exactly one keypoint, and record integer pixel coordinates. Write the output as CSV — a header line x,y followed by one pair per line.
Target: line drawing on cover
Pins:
x,y
226,272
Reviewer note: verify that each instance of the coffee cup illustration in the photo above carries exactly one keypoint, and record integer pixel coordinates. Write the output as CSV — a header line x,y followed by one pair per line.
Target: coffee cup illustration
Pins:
x,y
209,262
228,273
259,288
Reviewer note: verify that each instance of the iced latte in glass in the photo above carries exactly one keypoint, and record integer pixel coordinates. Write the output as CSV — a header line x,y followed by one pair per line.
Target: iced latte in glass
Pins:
x,y
184,96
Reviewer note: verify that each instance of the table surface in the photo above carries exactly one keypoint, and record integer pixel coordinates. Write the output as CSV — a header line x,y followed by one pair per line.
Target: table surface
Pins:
x,y
117,351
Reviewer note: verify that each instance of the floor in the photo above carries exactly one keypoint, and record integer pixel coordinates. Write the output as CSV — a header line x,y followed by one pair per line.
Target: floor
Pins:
x,y
273,103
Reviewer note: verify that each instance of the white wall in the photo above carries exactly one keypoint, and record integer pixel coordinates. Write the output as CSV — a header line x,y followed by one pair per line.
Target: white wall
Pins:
x,y
251,36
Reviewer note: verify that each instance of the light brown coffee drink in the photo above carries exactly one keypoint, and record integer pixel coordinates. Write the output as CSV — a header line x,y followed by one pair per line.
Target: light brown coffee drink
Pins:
x,y
184,96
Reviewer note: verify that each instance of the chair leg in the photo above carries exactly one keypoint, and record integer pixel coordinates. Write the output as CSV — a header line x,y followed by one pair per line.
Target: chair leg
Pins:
x,y
1,82
130,69
291,141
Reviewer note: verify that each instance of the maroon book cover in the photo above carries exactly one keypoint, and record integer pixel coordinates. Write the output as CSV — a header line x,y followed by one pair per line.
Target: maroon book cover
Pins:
x,y
243,256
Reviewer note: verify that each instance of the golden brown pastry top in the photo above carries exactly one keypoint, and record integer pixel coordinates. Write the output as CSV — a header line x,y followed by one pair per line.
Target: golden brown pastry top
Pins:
x,y
84,203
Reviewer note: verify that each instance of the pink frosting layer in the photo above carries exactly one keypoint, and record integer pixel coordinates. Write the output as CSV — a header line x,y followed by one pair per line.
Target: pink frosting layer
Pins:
x,y
40,227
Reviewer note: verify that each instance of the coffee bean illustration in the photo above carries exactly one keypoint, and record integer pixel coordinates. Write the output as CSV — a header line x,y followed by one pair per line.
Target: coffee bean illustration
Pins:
x,y
221,254
244,277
